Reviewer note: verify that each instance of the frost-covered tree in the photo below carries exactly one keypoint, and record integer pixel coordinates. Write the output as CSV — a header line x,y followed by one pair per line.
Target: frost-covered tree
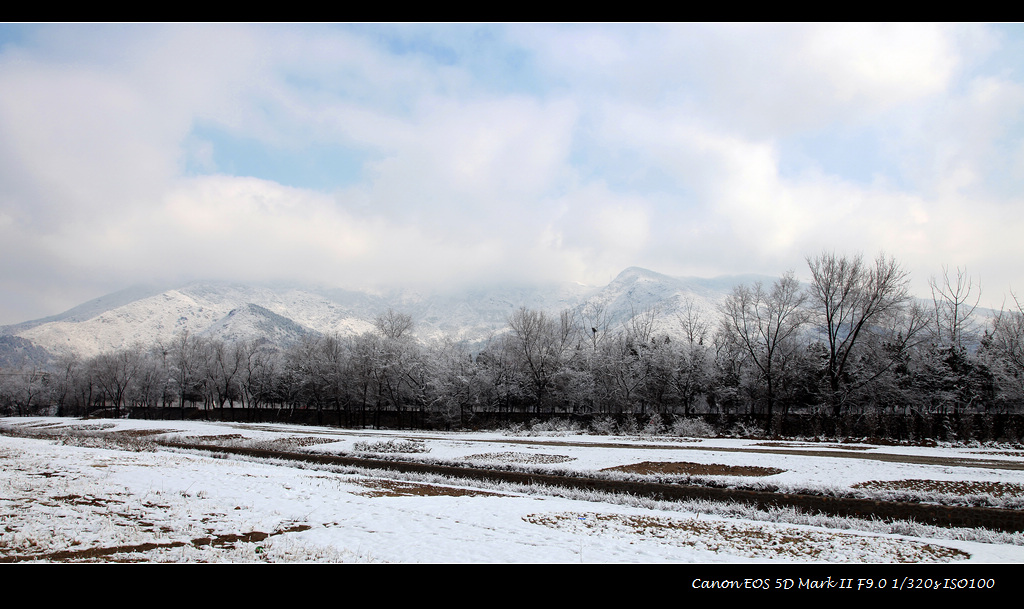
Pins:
x,y
393,325
544,347
693,357
23,389
853,300
115,372
764,323
67,371
259,373
224,368
954,301
1002,348
186,356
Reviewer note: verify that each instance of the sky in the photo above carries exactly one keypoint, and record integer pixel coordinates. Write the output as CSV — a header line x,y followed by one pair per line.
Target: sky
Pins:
x,y
416,155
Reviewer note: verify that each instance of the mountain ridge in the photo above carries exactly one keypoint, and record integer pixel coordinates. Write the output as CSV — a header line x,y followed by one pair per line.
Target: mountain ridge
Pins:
x,y
284,312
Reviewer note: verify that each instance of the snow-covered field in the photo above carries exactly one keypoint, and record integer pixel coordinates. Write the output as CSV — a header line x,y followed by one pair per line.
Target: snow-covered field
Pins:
x,y
105,492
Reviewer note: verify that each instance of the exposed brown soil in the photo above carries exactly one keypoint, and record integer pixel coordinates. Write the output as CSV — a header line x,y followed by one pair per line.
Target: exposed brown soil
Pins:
x,y
47,474
394,488
90,501
694,469
113,553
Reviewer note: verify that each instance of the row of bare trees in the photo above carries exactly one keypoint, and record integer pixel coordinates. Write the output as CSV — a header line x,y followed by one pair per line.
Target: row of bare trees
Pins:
x,y
851,340
854,339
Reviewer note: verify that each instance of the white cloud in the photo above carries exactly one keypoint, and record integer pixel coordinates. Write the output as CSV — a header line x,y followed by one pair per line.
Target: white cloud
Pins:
x,y
875,66
601,147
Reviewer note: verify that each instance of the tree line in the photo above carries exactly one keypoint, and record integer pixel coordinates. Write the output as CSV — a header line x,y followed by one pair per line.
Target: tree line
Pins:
x,y
851,341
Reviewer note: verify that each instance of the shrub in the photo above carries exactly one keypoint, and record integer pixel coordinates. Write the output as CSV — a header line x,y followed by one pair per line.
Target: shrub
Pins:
x,y
603,426
628,426
744,430
692,428
557,426
655,426
513,429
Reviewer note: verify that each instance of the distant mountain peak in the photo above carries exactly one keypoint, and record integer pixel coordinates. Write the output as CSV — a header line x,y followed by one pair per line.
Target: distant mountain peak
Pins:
x,y
284,313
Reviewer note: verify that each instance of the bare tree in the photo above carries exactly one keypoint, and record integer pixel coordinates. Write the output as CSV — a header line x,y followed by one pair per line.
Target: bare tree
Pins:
x,y
307,369
151,384
1008,333
544,347
1003,349
187,356
457,385
692,373
22,389
114,373
852,300
68,369
764,324
392,324
224,371
595,323
954,307
695,326
255,377
640,325
621,371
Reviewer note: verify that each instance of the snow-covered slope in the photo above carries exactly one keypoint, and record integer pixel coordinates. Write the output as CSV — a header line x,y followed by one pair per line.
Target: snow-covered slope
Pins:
x,y
662,298
252,320
221,310
284,313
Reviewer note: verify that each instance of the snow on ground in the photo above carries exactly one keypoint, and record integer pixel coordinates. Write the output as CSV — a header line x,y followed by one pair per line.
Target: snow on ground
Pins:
x,y
81,500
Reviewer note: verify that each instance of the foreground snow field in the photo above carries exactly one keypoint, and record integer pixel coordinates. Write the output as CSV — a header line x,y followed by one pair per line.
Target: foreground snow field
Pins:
x,y
108,494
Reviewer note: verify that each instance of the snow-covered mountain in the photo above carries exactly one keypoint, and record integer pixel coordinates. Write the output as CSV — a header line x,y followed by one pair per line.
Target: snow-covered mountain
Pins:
x,y
284,313
637,291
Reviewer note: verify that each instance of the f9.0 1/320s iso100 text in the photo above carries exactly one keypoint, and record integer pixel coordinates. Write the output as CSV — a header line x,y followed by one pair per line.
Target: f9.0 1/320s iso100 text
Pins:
x,y
829,583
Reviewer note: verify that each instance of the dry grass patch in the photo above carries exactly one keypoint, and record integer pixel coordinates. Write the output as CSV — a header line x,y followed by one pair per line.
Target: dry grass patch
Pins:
x,y
512,457
694,469
142,433
391,446
235,440
227,437
80,427
950,487
289,444
752,540
48,424
1003,453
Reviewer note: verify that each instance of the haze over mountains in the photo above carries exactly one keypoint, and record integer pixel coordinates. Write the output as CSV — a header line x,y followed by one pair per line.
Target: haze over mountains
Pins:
x,y
283,313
